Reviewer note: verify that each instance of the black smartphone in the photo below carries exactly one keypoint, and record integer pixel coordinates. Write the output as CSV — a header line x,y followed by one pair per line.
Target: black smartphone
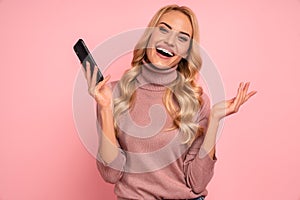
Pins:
x,y
84,55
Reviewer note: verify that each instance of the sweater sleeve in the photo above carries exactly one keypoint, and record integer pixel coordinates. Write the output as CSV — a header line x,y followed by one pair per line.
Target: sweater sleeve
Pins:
x,y
198,166
111,172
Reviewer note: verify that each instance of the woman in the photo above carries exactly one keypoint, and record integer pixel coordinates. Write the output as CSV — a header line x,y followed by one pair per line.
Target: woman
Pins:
x,y
158,133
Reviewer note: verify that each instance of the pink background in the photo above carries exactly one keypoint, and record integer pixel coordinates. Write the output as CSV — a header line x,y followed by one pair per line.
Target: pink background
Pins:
x,y
41,154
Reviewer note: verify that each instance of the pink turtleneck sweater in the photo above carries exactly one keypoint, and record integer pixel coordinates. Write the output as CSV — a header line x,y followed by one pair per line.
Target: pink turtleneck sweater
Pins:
x,y
152,162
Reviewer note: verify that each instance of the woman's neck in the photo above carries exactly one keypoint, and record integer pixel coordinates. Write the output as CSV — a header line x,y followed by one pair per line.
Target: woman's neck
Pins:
x,y
155,78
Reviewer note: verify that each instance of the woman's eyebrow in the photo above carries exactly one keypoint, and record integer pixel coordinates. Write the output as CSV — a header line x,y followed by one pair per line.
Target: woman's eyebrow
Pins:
x,y
167,25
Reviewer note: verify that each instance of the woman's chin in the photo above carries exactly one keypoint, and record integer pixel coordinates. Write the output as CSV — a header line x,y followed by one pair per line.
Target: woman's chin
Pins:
x,y
163,65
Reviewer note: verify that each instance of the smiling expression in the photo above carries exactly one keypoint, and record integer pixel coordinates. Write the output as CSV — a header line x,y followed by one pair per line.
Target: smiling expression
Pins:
x,y
170,40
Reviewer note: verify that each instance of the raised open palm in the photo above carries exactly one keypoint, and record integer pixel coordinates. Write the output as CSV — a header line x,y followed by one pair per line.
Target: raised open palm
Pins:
x,y
228,107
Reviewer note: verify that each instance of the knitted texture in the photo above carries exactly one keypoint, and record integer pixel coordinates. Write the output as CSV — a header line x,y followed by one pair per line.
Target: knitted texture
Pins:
x,y
153,163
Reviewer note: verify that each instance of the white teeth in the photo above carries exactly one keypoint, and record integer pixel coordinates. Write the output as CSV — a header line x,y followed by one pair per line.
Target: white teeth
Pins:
x,y
165,50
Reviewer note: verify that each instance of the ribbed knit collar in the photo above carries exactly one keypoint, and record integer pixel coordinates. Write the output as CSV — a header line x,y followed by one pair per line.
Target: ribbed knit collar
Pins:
x,y
154,78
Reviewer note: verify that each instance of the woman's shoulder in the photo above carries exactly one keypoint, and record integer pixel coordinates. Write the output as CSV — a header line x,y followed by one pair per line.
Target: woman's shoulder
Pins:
x,y
204,110
114,85
205,101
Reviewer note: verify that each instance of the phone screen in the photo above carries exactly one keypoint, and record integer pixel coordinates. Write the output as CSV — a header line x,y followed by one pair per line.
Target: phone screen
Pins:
x,y
84,55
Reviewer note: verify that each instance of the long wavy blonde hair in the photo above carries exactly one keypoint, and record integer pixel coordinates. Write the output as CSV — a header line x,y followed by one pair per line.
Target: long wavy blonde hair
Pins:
x,y
184,89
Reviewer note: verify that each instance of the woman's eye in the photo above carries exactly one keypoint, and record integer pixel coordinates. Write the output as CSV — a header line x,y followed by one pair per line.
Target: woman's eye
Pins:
x,y
183,39
163,30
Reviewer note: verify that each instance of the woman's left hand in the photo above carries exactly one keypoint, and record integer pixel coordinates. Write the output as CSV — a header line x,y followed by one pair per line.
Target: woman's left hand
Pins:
x,y
228,107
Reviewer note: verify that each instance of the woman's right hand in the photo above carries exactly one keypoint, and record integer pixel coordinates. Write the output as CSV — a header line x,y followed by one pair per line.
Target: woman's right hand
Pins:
x,y
101,92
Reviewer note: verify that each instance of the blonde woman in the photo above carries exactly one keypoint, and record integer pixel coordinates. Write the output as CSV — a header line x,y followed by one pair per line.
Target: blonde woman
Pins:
x,y
157,130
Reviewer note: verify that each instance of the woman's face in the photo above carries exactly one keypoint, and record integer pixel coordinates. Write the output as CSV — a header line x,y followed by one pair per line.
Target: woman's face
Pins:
x,y
170,41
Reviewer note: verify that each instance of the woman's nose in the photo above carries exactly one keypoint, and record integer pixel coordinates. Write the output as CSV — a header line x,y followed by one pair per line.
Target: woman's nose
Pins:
x,y
170,39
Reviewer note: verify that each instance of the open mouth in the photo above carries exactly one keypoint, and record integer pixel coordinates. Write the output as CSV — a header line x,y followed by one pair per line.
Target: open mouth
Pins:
x,y
164,52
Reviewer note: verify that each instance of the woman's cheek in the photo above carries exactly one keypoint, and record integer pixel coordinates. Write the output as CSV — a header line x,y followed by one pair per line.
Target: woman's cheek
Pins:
x,y
183,50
